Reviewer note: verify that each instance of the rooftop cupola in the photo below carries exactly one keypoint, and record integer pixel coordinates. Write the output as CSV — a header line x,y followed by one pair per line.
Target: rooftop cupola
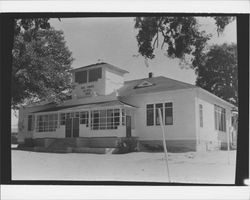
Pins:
x,y
97,79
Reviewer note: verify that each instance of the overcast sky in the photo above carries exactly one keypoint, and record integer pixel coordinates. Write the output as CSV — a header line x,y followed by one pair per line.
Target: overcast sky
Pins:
x,y
113,40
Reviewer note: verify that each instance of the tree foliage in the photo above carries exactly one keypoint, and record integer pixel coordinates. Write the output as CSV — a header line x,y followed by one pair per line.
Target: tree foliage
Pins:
x,y
218,72
40,63
181,37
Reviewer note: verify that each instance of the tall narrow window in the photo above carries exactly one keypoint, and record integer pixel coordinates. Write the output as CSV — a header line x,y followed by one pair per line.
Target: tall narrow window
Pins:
x,y
220,118
30,123
150,114
157,119
201,115
169,113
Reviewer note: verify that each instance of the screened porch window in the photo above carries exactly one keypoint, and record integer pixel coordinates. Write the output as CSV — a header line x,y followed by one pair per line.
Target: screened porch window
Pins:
x,y
84,117
47,123
220,118
105,119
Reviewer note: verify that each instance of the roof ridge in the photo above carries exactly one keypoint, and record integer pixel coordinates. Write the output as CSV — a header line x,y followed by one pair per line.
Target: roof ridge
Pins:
x,y
159,77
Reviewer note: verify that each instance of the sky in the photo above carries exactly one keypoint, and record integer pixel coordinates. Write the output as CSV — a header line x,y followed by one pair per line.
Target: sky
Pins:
x,y
113,40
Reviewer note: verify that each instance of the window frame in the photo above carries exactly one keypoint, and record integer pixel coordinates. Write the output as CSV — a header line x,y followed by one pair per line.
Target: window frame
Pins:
x,y
201,115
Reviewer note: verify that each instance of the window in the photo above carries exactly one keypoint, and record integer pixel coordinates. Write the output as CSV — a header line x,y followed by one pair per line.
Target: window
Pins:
x,y
150,114
201,115
168,113
47,123
95,119
95,74
105,119
84,117
62,118
30,123
157,119
81,77
153,117
220,118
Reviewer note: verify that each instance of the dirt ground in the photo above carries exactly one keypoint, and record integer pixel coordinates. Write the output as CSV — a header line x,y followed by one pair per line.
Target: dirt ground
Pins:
x,y
191,167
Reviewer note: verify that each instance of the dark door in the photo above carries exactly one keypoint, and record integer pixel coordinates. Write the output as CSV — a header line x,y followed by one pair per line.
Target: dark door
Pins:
x,y
68,127
75,127
72,127
128,126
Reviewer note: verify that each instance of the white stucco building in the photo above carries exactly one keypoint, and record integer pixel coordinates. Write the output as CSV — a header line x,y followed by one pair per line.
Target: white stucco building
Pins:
x,y
105,107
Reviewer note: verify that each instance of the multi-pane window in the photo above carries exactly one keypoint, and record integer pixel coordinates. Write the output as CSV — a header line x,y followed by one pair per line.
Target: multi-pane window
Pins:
x,y
95,74
201,115
157,119
169,113
62,118
153,117
105,119
47,123
150,114
84,117
30,123
81,77
220,118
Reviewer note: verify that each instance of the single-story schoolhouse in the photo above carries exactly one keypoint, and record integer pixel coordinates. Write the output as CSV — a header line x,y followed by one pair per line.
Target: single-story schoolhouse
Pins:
x,y
103,108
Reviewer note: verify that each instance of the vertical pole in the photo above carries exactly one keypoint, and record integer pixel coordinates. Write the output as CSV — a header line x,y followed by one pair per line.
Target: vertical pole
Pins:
x,y
164,144
228,145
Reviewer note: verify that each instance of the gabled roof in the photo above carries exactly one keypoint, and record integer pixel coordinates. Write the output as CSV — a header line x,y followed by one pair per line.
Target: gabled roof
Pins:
x,y
102,64
159,84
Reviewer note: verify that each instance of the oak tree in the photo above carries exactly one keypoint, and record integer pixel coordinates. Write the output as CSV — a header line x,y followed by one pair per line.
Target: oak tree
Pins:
x,y
40,64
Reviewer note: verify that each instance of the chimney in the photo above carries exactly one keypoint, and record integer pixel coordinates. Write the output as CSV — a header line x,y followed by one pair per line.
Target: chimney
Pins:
x,y
150,74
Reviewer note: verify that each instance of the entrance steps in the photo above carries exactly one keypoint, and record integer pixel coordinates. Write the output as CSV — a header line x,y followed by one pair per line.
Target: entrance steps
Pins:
x,y
100,145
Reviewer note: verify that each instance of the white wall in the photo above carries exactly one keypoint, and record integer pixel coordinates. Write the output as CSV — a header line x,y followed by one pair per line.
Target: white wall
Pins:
x,y
183,127
208,132
59,133
113,81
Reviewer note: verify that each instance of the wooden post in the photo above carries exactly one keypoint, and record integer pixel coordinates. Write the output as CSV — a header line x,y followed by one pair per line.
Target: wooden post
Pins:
x,y
164,143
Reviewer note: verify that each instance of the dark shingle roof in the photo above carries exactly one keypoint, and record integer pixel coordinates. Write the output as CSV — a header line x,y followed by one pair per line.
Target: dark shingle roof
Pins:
x,y
160,83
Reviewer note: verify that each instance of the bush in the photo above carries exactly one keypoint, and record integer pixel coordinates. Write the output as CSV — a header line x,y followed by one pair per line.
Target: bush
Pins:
x,y
127,145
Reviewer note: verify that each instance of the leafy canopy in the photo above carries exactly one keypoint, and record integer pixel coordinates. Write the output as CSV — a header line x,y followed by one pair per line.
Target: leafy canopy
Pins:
x,y
218,72
181,37
41,63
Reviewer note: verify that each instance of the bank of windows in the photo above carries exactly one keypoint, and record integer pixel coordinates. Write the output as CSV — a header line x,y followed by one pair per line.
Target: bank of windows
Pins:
x,y
152,113
201,115
88,76
106,119
220,118
83,117
46,123
99,119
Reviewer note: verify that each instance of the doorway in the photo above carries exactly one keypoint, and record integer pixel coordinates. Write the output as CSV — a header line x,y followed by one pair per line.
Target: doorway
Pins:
x,y
72,127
